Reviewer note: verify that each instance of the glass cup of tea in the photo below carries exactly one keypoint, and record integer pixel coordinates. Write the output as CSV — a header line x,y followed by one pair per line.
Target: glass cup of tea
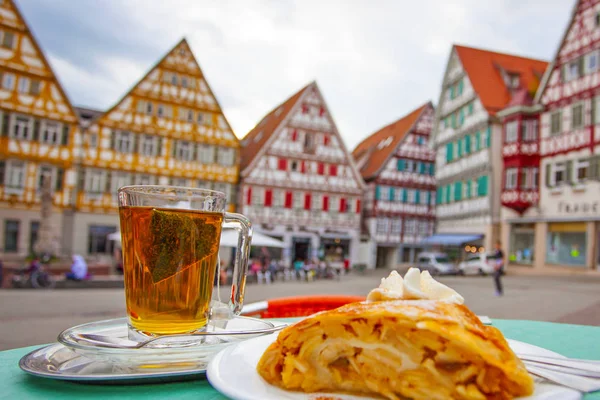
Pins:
x,y
170,242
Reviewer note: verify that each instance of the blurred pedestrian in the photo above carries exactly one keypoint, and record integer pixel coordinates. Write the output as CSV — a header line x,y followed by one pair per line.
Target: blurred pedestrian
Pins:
x,y
1,274
498,268
79,269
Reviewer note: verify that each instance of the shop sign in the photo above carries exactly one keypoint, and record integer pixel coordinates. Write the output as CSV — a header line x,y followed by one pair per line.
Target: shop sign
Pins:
x,y
583,207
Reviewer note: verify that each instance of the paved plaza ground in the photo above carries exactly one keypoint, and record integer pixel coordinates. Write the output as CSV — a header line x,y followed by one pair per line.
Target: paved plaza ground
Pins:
x,y
29,317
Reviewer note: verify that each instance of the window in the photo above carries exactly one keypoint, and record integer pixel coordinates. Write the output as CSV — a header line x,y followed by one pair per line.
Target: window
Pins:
x,y
8,40
411,196
44,171
399,194
203,119
184,150
11,236
512,132
410,227
145,179
591,62
424,198
409,166
566,244
529,130
123,142
572,70
174,79
190,115
206,154
308,142
183,182
512,80
555,122
382,225
397,226
423,228
22,128
50,132
298,201
118,180
148,146
34,87
258,196
161,111
149,107
208,185
166,76
384,193
8,81
95,181
474,188
23,85
97,239
581,170
226,156
184,81
15,175
559,174
224,188
34,229
535,177
577,116
510,179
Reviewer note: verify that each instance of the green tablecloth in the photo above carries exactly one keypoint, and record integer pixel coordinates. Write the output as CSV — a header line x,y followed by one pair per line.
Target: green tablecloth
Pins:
x,y
569,340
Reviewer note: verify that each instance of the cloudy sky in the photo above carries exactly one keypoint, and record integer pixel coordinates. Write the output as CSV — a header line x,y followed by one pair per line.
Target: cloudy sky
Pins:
x,y
374,61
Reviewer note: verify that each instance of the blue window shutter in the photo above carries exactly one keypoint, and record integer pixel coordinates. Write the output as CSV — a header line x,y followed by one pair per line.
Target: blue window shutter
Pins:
x,y
468,188
417,196
461,117
456,191
391,194
459,147
467,144
432,169
401,164
439,195
421,167
477,141
471,108
451,92
448,193
377,193
449,152
453,120
485,185
460,87
404,195
488,137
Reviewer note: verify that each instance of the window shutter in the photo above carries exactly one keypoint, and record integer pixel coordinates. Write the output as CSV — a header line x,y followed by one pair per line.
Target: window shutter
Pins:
x,y
343,205
326,202
36,130
401,164
451,92
593,169
488,137
249,196
468,183
108,180
5,119
391,193
432,169
417,196
460,87
268,198
282,164
453,120
81,182
580,66
467,140
404,195
113,139
428,198
135,140
358,206
377,193
448,199
320,168
477,141
459,147
288,199
439,195
333,170
421,168
461,117
548,174
449,152
569,172
307,201
59,179
65,135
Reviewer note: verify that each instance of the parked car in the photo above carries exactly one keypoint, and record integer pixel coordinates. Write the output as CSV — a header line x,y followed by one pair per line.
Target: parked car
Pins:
x,y
435,263
479,263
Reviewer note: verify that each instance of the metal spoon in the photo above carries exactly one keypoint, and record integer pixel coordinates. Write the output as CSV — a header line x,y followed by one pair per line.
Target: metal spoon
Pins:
x,y
122,343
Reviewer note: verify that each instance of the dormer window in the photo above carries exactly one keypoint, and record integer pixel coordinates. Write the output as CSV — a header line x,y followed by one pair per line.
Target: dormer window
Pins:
x,y
512,80
385,142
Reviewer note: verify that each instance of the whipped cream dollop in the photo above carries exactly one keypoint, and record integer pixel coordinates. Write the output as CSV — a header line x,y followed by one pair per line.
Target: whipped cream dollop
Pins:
x,y
415,285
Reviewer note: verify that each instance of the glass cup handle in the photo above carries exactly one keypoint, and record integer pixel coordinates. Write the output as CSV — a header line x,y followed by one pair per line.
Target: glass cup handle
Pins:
x,y
244,228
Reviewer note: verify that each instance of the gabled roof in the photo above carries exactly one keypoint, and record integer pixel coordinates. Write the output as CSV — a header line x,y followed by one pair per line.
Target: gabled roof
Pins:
x,y
377,148
258,136
484,69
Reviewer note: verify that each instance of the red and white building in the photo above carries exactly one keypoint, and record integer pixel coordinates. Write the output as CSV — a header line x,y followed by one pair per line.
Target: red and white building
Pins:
x,y
299,183
398,166
562,228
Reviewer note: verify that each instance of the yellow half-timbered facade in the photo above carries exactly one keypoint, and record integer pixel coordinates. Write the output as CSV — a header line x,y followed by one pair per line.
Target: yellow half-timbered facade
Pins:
x,y
38,135
168,129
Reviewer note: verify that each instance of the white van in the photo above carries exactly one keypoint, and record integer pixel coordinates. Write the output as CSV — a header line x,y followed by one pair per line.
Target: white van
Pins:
x,y
478,263
435,263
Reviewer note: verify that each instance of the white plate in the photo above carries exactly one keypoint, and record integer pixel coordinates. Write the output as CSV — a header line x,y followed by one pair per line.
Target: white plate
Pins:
x,y
233,373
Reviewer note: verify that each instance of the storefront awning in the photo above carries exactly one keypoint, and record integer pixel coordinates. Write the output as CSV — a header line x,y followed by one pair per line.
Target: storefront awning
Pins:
x,y
449,239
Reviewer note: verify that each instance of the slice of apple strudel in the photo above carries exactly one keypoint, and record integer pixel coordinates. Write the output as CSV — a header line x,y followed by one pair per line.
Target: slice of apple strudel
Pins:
x,y
401,349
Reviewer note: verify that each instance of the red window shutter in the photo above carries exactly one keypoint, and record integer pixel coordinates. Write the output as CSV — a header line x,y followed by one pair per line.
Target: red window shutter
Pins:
x,y
326,140
307,201
322,111
358,206
294,135
268,198
282,164
325,203
288,199
333,170
304,109
342,205
249,196
320,168
303,167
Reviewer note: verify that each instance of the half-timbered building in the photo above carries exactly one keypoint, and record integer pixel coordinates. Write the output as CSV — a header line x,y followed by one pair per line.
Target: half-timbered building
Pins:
x,y
168,129
398,167
299,183
468,137
562,228
38,135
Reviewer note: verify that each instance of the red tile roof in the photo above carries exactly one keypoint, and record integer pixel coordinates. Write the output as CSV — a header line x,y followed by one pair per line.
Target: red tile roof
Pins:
x,y
484,69
258,136
376,155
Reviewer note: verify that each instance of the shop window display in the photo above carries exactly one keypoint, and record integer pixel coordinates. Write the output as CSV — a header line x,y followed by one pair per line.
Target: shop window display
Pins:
x,y
522,242
566,245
